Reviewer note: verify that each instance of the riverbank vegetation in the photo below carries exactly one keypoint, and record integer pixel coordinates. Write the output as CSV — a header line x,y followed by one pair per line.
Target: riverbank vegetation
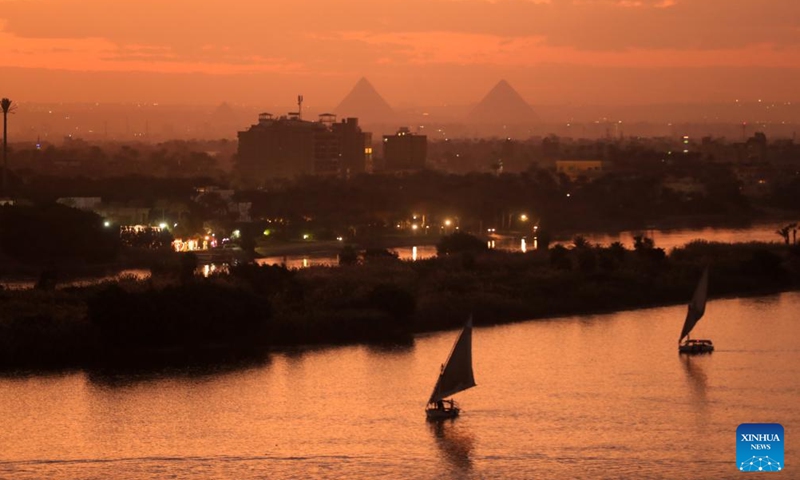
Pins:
x,y
373,298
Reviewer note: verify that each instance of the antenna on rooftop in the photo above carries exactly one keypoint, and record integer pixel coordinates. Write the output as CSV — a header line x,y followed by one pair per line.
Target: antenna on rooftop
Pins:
x,y
300,107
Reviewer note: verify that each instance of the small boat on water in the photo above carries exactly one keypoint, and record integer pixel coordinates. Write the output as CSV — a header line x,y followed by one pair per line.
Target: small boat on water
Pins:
x,y
697,307
455,376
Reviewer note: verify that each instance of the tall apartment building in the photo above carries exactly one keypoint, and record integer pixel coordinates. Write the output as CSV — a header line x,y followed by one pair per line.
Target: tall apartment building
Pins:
x,y
404,151
288,146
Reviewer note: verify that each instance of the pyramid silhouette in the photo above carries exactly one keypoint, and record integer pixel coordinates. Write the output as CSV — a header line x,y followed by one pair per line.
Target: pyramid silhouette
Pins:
x,y
502,105
365,103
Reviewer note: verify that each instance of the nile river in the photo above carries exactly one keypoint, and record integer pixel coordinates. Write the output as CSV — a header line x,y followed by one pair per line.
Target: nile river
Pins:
x,y
602,396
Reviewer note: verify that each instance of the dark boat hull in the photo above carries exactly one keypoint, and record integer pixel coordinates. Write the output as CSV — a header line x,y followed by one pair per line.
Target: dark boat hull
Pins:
x,y
696,347
434,414
442,410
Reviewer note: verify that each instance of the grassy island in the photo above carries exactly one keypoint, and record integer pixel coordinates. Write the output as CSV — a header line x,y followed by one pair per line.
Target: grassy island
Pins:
x,y
371,297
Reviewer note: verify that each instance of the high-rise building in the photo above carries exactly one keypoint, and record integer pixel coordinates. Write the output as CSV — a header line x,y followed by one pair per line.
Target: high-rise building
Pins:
x,y
404,151
288,146
355,147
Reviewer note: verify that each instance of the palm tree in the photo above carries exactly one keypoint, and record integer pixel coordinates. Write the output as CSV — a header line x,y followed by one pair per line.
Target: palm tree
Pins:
x,y
580,242
785,231
6,105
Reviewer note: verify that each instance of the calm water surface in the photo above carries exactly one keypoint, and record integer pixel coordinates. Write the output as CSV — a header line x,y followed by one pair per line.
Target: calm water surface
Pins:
x,y
604,396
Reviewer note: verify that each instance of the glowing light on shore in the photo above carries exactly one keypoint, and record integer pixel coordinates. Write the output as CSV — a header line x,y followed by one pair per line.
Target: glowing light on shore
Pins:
x,y
523,246
208,270
414,254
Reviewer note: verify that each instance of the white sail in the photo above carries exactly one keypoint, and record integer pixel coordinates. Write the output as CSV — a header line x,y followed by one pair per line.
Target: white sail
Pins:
x,y
456,374
697,307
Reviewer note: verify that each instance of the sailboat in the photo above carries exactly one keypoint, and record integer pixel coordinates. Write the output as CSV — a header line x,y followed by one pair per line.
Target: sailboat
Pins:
x,y
455,376
697,307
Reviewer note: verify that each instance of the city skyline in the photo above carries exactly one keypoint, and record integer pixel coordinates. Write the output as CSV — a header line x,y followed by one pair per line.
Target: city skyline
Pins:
x,y
415,53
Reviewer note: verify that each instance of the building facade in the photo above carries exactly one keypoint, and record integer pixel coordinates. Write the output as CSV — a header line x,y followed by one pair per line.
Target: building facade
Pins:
x,y
404,151
574,169
288,147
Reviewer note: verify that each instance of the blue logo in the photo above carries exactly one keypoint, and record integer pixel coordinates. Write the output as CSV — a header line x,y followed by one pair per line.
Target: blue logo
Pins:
x,y
759,447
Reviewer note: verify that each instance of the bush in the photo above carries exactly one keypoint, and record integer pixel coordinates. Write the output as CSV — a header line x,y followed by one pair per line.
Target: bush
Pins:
x,y
348,255
55,232
392,299
379,254
263,279
191,315
460,242
559,258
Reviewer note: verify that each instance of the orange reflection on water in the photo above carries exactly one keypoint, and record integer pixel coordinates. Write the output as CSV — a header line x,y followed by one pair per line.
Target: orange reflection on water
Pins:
x,y
583,397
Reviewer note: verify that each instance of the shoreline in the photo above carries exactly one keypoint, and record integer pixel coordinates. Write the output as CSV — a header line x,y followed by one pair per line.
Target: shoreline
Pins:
x,y
334,246
222,358
254,309
84,274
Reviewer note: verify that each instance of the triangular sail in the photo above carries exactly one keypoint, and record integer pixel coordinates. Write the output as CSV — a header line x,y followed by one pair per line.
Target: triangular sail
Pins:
x,y
456,374
697,307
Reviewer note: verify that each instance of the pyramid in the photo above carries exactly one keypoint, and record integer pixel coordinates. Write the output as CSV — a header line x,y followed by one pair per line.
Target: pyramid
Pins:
x,y
502,105
224,113
365,103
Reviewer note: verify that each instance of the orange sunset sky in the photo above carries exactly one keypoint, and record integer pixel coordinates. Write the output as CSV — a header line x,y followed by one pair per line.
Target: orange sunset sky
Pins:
x,y
415,52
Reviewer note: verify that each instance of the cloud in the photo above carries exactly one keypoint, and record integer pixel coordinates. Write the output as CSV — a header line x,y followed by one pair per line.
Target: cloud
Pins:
x,y
491,50
99,54
319,41
282,27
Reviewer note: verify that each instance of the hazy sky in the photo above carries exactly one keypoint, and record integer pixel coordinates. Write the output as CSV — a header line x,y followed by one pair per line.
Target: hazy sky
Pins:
x,y
413,51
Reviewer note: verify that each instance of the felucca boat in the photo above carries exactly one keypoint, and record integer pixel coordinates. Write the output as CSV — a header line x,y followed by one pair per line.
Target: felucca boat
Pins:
x,y
455,376
697,307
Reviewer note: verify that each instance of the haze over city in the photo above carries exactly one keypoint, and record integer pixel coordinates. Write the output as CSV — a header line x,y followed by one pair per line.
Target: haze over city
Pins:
x,y
605,52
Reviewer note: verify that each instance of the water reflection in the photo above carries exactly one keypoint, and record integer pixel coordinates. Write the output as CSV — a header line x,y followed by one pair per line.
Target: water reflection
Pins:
x,y
696,376
398,347
764,301
38,373
602,398
455,443
197,369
